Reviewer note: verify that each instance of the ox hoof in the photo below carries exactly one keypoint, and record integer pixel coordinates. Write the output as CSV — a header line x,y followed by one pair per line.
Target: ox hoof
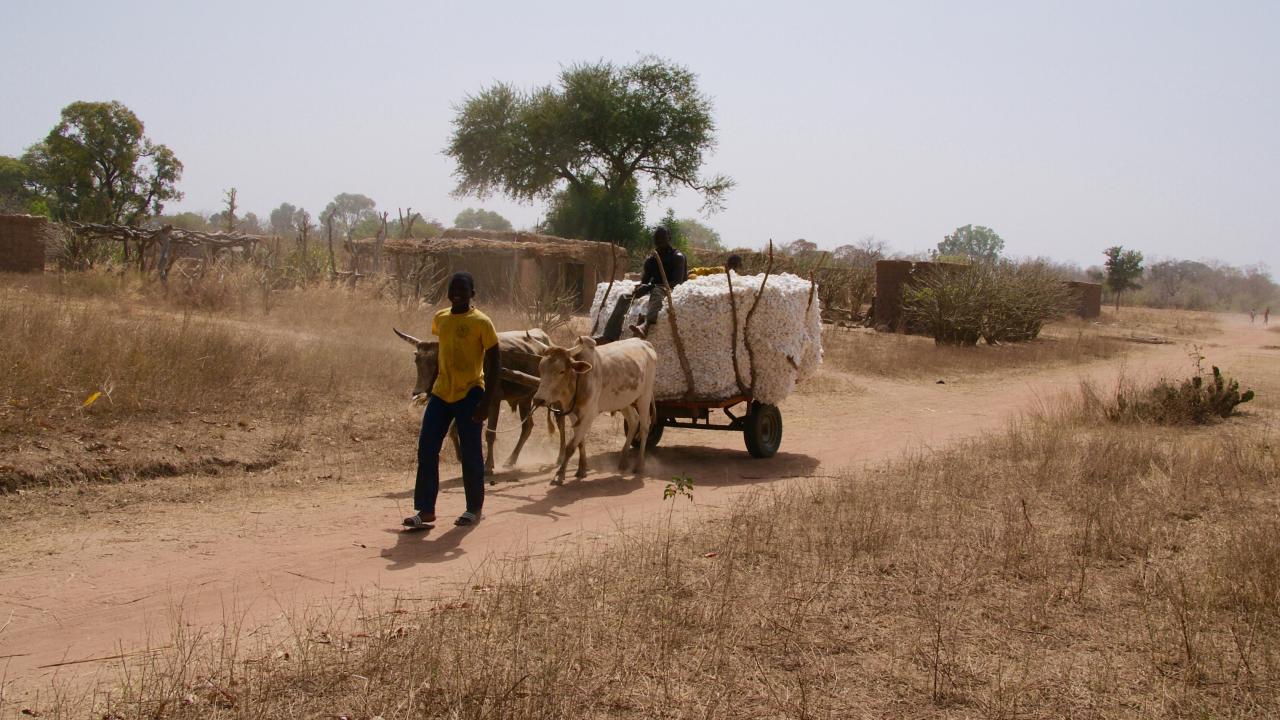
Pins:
x,y
557,481
580,474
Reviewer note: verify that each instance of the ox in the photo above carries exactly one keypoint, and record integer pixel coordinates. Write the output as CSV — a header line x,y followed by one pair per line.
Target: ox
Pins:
x,y
586,380
519,350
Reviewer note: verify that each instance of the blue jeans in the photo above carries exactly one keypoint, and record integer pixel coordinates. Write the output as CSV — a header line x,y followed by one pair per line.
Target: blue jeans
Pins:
x,y
435,426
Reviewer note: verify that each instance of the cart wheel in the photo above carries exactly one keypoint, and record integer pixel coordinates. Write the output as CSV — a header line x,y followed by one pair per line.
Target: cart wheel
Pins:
x,y
763,430
655,434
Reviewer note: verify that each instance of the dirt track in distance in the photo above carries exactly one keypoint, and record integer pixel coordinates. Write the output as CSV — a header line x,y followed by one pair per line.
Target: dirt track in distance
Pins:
x,y
112,584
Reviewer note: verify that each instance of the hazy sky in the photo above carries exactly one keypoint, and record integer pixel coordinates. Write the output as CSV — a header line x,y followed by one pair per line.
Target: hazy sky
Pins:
x,y
1066,126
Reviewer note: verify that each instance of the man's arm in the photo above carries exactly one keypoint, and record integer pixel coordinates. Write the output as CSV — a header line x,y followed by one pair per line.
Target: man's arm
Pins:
x,y
648,278
492,383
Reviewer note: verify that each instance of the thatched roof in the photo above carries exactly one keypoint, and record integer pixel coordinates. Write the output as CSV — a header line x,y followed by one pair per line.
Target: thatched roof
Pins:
x,y
456,241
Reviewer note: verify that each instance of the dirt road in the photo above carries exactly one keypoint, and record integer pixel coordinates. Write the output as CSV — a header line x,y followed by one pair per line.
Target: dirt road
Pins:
x,y
116,583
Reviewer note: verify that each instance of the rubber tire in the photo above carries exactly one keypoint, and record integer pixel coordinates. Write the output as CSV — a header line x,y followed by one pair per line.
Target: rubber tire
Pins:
x,y
763,430
655,435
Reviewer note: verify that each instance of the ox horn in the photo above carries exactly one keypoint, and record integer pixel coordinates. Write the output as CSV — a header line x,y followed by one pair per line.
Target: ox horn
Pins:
x,y
585,342
407,338
542,347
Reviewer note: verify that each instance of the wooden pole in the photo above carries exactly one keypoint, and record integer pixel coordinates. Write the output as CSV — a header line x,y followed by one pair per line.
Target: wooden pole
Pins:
x,y
813,279
746,330
675,329
613,267
733,310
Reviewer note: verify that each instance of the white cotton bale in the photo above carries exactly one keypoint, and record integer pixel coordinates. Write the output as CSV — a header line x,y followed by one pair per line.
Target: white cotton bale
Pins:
x,y
786,334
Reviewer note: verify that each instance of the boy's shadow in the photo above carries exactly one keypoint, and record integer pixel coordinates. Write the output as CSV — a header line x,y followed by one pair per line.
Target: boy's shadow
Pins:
x,y
418,546
492,480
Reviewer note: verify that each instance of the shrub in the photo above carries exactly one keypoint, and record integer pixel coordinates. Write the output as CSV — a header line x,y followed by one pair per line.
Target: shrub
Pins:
x,y
948,303
1191,402
996,302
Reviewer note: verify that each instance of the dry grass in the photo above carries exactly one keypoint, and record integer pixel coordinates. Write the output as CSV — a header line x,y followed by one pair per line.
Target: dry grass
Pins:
x,y
893,355
1139,321
1055,570
138,364
69,336
178,392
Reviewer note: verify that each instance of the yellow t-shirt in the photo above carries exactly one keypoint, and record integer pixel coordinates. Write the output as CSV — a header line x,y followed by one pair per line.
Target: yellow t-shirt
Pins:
x,y
463,340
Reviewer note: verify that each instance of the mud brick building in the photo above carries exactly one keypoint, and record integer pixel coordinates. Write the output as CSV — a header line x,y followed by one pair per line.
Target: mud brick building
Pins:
x,y
23,242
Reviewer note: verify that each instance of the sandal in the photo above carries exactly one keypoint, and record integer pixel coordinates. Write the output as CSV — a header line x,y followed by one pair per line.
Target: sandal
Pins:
x,y
420,521
467,518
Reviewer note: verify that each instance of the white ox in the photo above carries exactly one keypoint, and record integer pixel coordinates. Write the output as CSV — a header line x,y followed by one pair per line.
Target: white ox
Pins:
x,y
585,381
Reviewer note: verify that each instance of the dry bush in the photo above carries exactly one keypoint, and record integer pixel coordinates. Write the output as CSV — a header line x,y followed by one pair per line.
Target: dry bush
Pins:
x,y
893,355
546,306
1056,570
996,302
73,251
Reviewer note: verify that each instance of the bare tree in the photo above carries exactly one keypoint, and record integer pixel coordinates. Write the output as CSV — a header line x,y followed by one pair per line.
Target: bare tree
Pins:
x,y
229,218
406,223
304,234
377,244
328,228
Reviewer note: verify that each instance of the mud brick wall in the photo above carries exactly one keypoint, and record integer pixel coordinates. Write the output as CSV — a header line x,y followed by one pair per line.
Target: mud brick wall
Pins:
x,y
891,277
894,276
1088,299
23,239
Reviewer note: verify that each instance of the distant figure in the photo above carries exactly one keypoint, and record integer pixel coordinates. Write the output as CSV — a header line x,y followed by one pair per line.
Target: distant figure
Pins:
x,y
1252,314
1266,316
733,262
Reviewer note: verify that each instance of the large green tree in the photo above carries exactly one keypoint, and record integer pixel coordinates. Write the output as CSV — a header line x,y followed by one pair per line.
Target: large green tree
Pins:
x,y
597,133
474,219
96,165
1124,269
589,212
16,195
974,242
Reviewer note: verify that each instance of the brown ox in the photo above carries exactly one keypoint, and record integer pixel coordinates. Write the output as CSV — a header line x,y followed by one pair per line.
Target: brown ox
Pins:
x,y
520,352
587,380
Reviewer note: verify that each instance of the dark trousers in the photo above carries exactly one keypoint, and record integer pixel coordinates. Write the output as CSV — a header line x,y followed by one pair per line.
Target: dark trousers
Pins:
x,y
613,328
435,426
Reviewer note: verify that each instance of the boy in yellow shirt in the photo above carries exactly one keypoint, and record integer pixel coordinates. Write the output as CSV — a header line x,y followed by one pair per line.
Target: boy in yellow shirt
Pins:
x,y
468,356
